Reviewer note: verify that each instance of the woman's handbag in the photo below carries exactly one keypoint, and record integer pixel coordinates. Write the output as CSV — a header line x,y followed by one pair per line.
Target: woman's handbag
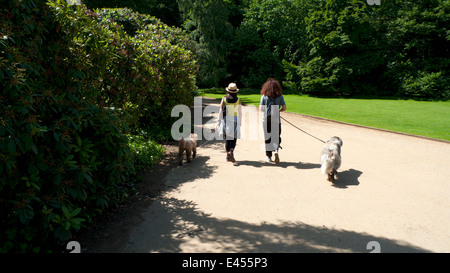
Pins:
x,y
221,129
227,127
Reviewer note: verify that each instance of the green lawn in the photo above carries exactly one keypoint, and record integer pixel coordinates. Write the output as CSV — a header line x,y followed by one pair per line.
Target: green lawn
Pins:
x,y
424,118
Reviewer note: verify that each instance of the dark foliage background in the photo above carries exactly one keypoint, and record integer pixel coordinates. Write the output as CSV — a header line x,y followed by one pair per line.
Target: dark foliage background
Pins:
x,y
318,47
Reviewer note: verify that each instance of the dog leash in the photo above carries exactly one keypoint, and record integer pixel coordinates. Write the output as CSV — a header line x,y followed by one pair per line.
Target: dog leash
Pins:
x,y
302,130
212,136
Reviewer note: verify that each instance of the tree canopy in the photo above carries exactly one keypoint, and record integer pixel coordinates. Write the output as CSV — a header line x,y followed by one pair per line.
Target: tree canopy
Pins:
x,y
326,47
317,47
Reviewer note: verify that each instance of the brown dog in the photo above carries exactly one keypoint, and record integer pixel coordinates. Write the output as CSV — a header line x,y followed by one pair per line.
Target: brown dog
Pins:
x,y
189,145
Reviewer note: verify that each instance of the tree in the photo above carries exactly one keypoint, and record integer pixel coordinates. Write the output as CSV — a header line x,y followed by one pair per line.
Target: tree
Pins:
x,y
271,31
347,52
419,36
399,48
207,21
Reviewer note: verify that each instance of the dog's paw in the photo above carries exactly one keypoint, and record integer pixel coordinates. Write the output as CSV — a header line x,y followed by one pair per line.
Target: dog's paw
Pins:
x,y
334,175
330,177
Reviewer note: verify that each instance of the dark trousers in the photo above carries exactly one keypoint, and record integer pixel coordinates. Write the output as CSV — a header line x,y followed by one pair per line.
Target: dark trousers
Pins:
x,y
230,144
268,139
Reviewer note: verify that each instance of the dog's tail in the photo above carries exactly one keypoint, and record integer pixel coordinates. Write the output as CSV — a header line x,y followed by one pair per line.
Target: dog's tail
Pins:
x,y
328,163
327,166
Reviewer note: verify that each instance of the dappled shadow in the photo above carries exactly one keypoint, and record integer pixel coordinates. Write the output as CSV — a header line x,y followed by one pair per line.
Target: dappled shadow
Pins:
x,y
211,143
197,169
282,164
347,178
182,222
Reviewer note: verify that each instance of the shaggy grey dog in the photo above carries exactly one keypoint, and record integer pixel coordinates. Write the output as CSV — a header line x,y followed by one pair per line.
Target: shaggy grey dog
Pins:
x,y
189,145
330,157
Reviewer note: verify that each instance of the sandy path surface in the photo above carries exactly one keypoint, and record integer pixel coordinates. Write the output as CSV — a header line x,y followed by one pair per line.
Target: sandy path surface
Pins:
x,y
391,188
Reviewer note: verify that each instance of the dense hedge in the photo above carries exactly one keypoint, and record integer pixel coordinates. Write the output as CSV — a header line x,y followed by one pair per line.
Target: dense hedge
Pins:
x,y
164,56
73,86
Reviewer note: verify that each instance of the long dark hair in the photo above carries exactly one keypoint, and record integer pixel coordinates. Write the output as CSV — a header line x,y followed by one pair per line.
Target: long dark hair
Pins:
x,y
231,97
271,88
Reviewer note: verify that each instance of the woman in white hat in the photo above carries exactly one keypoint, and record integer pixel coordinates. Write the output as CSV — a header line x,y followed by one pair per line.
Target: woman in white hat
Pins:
x,y
230,114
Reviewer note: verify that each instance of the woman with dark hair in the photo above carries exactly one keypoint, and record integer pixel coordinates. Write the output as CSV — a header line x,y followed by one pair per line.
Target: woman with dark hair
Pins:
x,y
272,103
231,114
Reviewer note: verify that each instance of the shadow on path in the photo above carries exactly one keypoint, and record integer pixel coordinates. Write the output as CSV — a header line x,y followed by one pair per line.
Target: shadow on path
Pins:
x,y
347,178
181,222
282,164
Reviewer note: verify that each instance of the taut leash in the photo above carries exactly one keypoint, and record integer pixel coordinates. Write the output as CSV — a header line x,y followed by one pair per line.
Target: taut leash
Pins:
x,y
302,130
212,135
